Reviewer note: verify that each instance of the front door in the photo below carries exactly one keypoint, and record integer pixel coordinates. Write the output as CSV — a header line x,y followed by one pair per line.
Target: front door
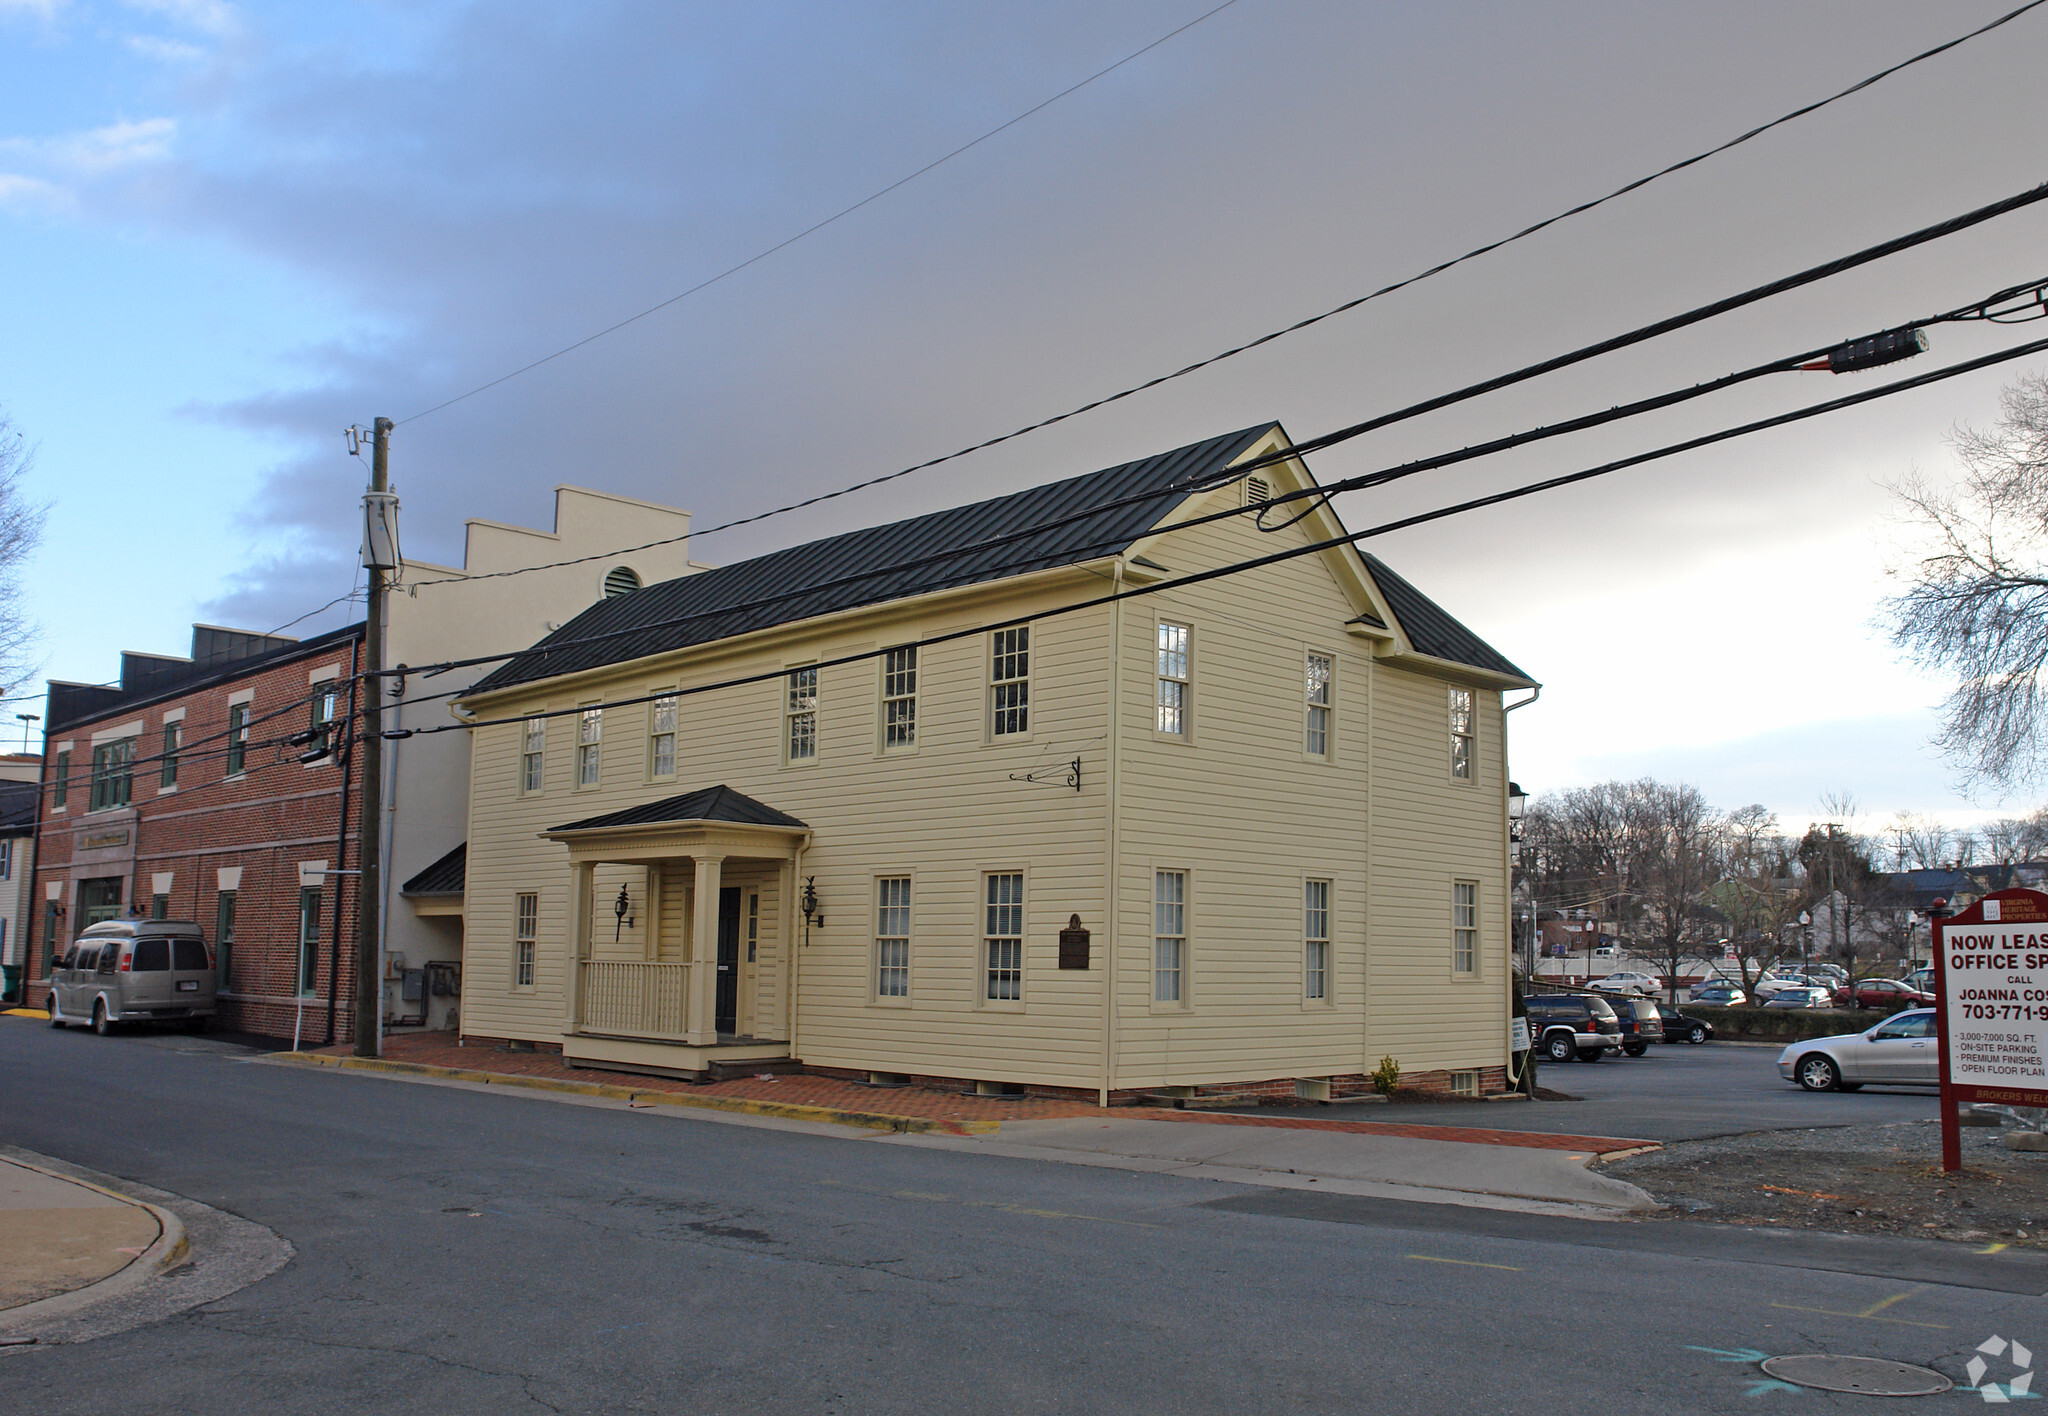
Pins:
x,y
727,1009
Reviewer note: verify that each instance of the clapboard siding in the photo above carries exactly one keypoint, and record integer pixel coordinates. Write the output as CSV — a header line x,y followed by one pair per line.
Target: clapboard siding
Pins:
x,y
1236,803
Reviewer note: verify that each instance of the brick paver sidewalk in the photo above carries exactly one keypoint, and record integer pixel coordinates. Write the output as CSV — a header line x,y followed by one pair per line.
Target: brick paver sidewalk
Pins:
x,y
442,1050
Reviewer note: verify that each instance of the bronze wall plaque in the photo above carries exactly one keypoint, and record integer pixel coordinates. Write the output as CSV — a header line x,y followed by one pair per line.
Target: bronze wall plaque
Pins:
x,y
1074,945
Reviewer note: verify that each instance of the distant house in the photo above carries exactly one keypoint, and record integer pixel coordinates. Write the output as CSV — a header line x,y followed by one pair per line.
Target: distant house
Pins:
x,y
175,792
1247,834
17,867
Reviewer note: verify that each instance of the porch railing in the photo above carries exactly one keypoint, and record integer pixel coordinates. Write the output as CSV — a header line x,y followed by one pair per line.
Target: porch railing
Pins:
x,y
635,999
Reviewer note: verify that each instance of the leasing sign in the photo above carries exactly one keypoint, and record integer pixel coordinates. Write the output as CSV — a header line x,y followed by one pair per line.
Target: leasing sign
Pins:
x,y
1991,965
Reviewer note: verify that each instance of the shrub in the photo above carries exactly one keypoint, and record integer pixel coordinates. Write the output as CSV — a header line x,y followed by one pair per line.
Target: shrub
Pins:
x,y
1386,1076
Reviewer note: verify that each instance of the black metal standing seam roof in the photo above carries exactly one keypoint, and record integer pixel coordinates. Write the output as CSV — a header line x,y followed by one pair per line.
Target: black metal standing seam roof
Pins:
x,y
716,595
1431,629
446,876
709,804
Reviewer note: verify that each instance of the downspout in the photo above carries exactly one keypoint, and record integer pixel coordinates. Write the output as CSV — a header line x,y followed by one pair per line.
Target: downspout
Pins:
x,y
1113,859
1372,777
348,762
1525,1083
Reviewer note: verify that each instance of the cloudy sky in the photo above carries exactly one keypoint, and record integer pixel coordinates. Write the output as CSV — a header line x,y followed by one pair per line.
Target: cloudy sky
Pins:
x,y
228,231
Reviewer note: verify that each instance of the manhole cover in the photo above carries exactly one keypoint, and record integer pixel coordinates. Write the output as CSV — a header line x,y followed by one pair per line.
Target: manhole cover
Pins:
x,y
1872,1376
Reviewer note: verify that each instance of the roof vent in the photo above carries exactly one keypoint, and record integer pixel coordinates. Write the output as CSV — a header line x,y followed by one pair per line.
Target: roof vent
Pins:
x,y
1257,490
620,580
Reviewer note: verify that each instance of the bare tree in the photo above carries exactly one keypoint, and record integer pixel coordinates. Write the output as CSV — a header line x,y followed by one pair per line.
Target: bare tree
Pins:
x,y
2013,839
1975,603
21,531
1678,850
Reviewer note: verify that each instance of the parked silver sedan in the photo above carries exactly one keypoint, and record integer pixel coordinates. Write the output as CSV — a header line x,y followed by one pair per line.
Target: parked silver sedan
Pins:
x,y
1903,1050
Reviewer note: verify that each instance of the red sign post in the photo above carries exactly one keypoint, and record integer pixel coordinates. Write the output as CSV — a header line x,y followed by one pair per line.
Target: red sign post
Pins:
x,y
1991,977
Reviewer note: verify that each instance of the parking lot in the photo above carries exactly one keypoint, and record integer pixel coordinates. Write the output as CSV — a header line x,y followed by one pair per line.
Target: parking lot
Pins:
x,y
1674,1092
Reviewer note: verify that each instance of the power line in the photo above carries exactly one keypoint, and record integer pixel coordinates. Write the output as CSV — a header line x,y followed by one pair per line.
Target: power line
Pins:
x,y
821,225
1295,552
1698,313
1250,345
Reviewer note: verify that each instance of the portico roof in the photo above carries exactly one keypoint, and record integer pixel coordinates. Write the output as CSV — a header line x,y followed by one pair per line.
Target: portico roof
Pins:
x,y
721,805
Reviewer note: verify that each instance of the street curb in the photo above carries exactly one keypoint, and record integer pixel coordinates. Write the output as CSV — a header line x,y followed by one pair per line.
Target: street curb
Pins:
x,y
783,1110
172,1248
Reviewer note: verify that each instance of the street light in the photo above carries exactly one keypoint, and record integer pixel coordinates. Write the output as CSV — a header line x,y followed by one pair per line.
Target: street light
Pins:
x,y
1805,937
25,719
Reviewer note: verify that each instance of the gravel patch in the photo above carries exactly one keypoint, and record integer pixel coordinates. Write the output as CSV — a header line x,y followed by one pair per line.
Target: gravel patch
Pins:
x,y
1857,1179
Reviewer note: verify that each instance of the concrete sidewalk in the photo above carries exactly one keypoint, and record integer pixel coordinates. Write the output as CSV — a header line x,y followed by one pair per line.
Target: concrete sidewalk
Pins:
x,y
62,1241
1352,1161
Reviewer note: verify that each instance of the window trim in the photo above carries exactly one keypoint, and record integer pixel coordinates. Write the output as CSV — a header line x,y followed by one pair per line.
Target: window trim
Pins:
x,y
791,713
167,770
1329,707
1309,939
591,748
308,980
876,905
533,782
982,939
323,693
1185,733
1184,963
1472,974
224,905
885,699
6,857
991,657
1470,737
526,946
664,697
60,780
112,784
237,758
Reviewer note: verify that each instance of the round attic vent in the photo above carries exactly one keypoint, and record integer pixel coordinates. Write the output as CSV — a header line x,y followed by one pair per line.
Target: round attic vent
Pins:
x,y
620,580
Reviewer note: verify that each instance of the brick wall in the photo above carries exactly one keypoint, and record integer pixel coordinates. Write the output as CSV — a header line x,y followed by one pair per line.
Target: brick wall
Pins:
x,y
263,823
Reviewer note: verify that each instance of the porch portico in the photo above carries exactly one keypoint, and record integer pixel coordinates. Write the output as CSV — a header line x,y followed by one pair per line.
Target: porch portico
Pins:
x,y
702,891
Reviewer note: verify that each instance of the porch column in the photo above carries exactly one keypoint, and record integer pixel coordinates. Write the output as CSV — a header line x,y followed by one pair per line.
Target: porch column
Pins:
x,y
703,1023
577,944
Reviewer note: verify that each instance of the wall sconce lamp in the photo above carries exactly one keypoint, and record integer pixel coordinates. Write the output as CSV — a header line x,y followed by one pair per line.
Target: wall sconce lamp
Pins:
x,y
620,907
812,914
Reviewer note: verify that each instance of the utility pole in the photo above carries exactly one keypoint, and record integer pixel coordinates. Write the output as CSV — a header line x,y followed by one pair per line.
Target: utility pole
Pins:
x,y
380,553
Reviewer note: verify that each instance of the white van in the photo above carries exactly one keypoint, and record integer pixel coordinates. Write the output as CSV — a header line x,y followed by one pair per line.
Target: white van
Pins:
x,y
134,971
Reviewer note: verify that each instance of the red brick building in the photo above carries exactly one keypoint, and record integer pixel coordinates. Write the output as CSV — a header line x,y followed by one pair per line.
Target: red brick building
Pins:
x,y
177,795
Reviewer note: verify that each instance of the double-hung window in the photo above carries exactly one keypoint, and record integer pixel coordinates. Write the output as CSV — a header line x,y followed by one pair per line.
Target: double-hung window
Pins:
x,y
1010,682
1315,929
111,774
325,699
224,937
1169,935
238,738
167,774
7,858
589,747
1173,679
1465,927
1316,738
525,931
892,937
1462,744
899,697
800,716
1002,939
661,737
533,756
309,940
60,792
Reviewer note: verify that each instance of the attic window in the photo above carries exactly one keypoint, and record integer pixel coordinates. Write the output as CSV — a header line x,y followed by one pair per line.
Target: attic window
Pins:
x,y
1257,490
620,580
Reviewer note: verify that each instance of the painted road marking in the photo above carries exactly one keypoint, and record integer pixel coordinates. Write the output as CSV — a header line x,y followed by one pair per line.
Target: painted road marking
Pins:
x,y
1463,1263
1992,1248
933,1198
1872,1313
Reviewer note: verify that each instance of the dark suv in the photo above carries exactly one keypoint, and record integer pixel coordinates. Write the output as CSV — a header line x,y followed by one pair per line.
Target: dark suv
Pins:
x,y
1642,1023
1567,1025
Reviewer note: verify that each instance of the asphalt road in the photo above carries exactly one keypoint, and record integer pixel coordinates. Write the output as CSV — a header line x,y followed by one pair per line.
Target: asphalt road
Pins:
x,y
1675,1092
460,1251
